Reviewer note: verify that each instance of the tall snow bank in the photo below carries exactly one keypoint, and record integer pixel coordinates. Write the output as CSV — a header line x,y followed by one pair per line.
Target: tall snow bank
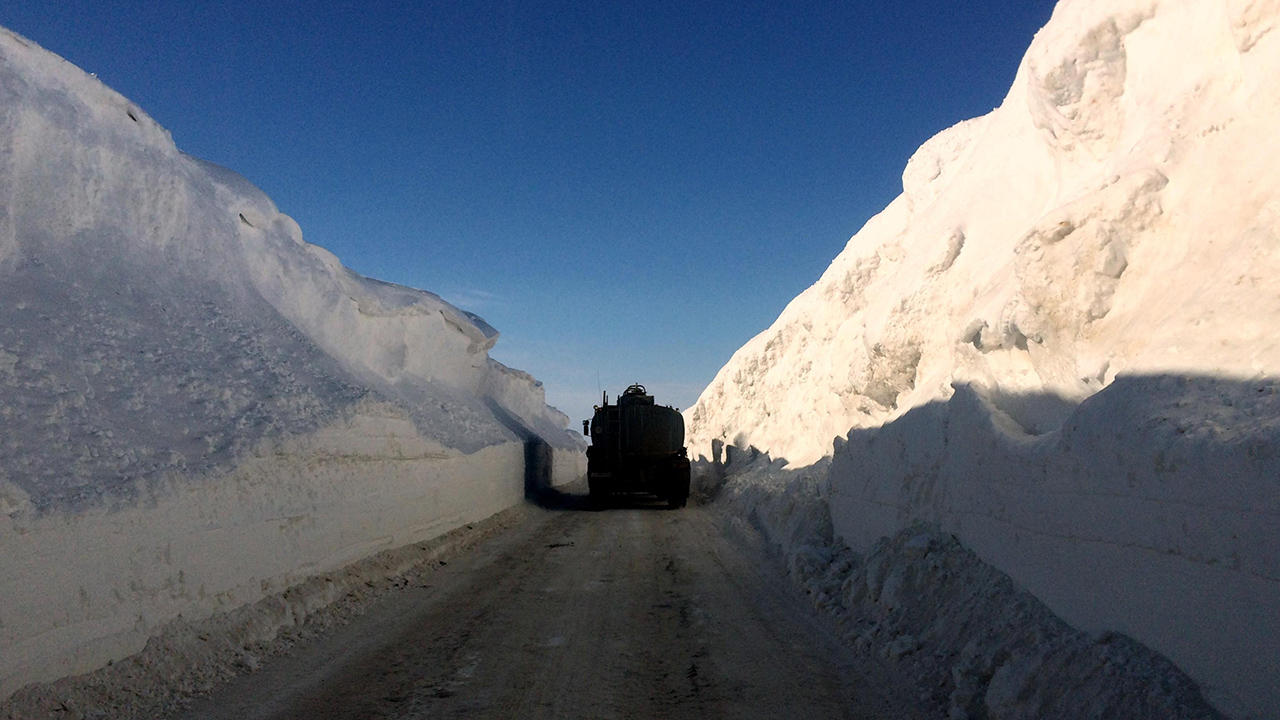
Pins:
x,y
1115,217
1117,213
199,407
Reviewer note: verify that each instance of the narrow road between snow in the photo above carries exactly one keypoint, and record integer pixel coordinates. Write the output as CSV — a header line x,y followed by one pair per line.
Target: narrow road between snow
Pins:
x,y
632,612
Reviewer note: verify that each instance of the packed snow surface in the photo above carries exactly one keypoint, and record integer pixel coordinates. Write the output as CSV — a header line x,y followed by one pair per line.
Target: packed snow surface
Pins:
x,y
1060,341
185,381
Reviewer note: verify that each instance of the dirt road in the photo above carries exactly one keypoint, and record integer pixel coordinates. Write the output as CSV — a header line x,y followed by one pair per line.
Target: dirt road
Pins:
x,y
635,612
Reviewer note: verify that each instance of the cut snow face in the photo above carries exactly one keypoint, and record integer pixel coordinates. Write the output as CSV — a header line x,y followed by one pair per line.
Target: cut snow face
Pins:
x,y
162,318
1116,214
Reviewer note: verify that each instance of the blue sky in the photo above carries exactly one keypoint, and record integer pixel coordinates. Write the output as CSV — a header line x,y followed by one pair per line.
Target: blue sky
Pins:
x,y
627,191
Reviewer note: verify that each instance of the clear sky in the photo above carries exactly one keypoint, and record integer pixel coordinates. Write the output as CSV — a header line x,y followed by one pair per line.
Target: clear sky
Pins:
x,y
628,191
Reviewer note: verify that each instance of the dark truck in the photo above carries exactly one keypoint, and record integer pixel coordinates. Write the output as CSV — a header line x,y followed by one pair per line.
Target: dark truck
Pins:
x,y
637,447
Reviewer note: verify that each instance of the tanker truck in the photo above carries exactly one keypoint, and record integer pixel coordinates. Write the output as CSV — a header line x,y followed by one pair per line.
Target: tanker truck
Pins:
x,y
637,447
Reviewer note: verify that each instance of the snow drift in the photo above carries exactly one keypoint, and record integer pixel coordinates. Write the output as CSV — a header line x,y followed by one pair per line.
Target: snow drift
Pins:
x,y
200,408
1060,341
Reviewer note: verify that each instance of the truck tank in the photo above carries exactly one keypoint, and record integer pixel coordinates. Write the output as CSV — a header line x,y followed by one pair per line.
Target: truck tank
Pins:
x,y
637,446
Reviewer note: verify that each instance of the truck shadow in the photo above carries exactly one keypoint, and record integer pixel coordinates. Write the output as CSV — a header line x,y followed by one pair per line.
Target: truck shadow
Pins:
x,y
539,466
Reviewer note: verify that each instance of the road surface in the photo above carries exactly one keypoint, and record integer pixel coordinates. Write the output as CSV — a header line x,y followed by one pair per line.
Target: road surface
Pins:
x,y
630,612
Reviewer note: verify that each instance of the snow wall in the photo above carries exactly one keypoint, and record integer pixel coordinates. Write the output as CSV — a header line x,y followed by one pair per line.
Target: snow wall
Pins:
x,y
1061,342
200,409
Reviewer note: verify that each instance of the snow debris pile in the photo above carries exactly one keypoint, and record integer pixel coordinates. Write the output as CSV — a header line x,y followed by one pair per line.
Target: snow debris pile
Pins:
x,y
184,380
1059,342
976,644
